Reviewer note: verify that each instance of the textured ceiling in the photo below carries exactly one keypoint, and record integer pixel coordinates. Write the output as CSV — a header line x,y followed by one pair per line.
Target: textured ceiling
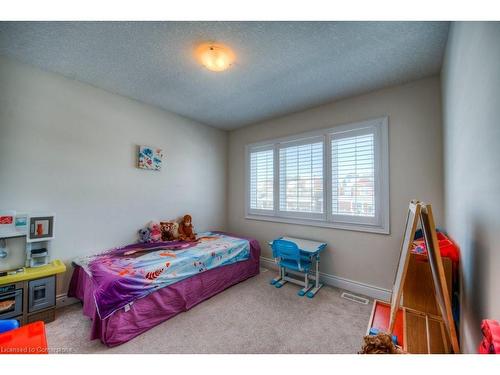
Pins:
x,y
281,67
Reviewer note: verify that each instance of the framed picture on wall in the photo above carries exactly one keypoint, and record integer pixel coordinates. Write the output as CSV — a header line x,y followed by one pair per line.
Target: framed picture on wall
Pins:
x,y
41,227
150,158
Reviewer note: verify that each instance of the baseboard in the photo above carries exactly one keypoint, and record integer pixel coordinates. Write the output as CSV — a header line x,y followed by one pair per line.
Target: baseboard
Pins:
x,y
342,283
63,300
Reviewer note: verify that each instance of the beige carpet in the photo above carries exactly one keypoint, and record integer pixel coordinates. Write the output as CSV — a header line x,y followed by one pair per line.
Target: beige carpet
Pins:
x,y
251,317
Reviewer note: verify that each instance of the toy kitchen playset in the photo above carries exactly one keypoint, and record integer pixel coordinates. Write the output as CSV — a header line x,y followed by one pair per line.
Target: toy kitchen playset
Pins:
x,y
27,276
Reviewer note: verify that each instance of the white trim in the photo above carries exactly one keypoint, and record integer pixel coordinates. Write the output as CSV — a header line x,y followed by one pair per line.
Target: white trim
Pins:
x,y
301,141
318,223
298,215
276,180
384,175
379,224
317,133
342,283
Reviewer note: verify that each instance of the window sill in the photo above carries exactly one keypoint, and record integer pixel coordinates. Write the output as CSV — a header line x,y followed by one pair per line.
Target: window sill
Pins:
x,y
321,224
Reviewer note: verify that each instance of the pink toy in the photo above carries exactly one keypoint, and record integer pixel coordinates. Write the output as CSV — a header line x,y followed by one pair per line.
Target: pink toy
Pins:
x,y
491,337
155,230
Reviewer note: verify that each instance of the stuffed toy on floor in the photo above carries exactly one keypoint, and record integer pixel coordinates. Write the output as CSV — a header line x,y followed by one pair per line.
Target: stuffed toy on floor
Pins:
x,y
380,343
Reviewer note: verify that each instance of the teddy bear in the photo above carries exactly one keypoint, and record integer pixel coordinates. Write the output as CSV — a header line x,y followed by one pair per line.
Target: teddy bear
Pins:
x,y
144,235
155,231
186,230
381,343
169,230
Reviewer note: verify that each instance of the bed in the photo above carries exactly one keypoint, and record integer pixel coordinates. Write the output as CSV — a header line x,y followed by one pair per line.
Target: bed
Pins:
x,y
128,290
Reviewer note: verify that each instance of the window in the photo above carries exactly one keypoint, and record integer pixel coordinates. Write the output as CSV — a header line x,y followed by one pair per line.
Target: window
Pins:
x,y
301,178
336,177
353,176
261,180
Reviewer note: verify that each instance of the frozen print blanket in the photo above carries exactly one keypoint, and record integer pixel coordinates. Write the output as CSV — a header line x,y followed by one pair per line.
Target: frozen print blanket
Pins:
x,y
125,274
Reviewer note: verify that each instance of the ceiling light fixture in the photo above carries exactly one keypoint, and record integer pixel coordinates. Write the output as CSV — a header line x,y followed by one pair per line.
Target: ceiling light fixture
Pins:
x,y
215,57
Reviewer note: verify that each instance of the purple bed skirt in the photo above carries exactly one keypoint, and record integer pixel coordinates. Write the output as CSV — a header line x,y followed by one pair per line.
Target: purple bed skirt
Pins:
x,y
162,304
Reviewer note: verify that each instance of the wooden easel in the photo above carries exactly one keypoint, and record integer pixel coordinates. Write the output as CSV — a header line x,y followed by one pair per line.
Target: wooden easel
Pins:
x,y
418,211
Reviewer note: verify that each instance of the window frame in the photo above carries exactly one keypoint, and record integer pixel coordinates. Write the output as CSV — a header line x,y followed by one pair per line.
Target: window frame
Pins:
x,y
379,224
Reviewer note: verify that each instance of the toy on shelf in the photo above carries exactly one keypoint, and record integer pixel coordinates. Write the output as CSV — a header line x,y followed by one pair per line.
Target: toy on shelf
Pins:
x,y
446,246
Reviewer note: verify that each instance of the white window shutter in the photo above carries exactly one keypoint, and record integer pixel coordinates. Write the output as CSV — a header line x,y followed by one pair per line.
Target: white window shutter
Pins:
x,y
301,178
353,174
261,179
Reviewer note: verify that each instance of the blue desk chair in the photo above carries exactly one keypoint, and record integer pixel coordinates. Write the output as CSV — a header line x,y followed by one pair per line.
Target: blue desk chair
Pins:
x,y
8,325
289,257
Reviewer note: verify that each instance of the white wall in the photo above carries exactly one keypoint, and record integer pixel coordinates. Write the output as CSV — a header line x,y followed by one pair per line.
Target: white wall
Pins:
x,y
70,148
415,138
471,112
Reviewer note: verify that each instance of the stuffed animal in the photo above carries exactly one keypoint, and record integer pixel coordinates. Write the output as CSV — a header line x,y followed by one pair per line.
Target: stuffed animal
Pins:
x,y
169,230
381,343
144,235
175,230
186,230
155,230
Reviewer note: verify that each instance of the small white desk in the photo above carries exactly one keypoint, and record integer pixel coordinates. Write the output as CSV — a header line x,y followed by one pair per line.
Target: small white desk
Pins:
x,y
312,249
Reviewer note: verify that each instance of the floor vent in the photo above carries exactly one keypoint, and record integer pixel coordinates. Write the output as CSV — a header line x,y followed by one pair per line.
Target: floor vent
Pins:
x,y
352,297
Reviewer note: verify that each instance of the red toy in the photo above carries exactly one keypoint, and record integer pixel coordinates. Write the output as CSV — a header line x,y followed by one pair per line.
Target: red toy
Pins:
x,y
29,339
446,247
491,337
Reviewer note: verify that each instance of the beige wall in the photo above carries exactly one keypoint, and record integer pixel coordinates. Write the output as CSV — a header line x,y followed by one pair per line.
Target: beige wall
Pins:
x,y
70,148
471,112
415,139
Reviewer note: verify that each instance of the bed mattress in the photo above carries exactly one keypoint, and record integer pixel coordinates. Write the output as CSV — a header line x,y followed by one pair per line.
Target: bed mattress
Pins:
x,y
140,313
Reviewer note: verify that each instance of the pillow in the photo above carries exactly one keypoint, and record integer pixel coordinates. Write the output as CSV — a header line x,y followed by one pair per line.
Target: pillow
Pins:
x,y
169,230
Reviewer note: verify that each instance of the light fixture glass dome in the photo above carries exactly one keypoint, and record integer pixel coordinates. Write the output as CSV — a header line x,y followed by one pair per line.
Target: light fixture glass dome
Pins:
x,y
215,57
